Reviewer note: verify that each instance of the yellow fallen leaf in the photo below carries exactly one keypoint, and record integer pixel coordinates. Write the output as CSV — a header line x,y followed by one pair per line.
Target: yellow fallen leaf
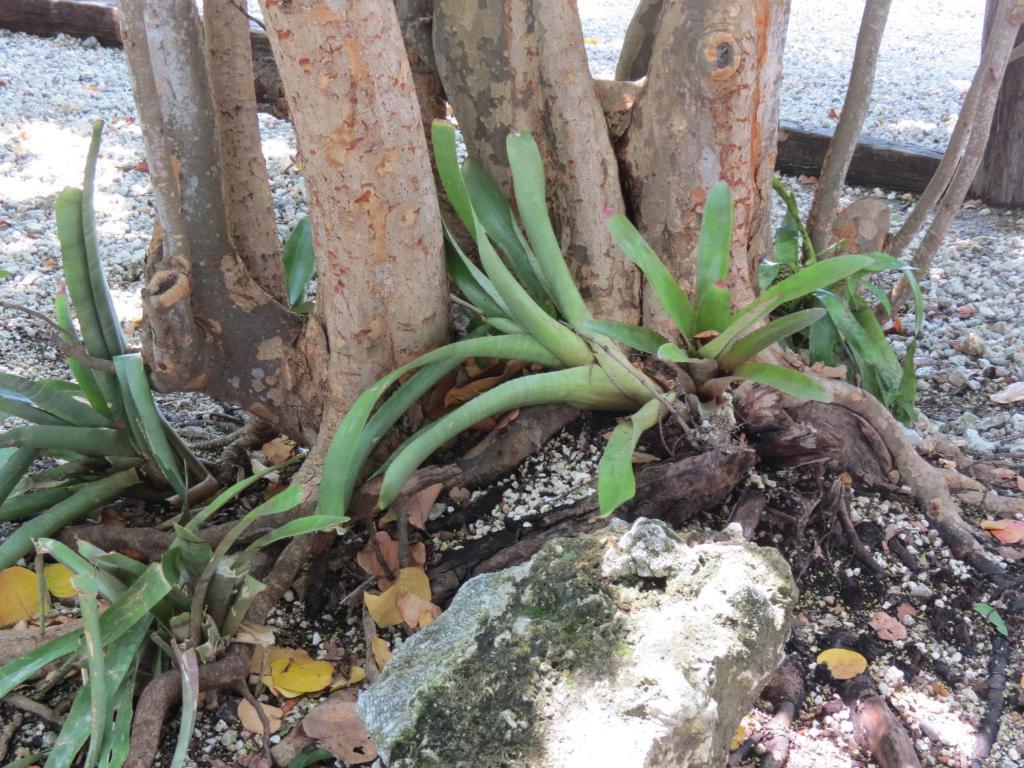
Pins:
x,y
250,718
355,675
264,656
296,676
842,663
427,617
384,608
19,595
381,651
58,580
411,607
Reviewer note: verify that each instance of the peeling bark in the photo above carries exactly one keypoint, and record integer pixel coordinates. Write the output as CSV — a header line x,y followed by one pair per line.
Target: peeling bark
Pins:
x,y
248,205
512,65
707,111
209,326
382,289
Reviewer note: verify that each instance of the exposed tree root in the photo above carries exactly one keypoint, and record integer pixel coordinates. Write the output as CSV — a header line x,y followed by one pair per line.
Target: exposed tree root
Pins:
x,y
33,707
793,433
876,729
18,642
785,692
994,698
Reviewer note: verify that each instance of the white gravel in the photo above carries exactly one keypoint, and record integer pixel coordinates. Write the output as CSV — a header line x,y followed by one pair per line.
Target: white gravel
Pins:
x,y
52,89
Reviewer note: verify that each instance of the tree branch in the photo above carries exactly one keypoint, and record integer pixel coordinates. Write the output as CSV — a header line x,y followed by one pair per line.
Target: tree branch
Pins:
x,y
851,121
969,143
58,337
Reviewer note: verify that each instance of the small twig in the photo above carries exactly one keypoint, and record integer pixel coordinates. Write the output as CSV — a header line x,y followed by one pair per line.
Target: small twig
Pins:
x,y
33,707
258,22
369,632
260,713
856,544
357,591
402,515
1017,53
58,337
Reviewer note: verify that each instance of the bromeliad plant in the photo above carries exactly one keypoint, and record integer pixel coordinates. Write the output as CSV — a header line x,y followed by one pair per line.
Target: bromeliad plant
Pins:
x,y
849,332
106,427
179,612
531,310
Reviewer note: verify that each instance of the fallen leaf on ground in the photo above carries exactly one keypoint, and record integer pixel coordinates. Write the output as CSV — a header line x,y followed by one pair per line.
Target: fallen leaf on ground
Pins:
x,y
1012,394
296,676
887,627
384,608
367,558
356,675
413,608
640,457
279,450
738,737
340,730
58,580
905,609
417,507
1007,531
254,634
19,595
264,656
804,179
381,651
250,718
842,663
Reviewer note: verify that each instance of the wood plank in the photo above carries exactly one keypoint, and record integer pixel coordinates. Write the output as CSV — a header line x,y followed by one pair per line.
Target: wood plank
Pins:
x,y
876,163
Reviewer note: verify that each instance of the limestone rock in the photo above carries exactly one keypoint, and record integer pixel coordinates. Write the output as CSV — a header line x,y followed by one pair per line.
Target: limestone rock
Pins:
x,y
863,225
629,647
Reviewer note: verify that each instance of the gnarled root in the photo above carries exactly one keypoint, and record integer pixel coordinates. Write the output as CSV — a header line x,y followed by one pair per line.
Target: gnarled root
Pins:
x,y
857,434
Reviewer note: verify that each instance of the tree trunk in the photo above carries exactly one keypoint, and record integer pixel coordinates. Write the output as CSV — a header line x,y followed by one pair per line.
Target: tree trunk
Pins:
x,y
510,65
704,117
1001,178
209,325
382,293
247,201
635,56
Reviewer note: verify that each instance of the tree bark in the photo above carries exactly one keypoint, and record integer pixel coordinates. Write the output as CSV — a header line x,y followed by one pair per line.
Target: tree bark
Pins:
x,y
248,205
510,65
635,56
701,117
1000,180
851,120
209,326
381,285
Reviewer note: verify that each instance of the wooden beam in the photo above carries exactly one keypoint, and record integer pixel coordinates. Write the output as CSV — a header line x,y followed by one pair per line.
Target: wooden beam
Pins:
x,y
876,163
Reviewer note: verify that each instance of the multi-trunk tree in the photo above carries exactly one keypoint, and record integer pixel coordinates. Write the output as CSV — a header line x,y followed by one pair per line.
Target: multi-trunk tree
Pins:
x,y
697,102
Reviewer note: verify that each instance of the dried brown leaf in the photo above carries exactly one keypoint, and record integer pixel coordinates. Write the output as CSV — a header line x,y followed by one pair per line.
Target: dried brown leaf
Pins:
x,y
1007,531
341,731
1012,394
887,627
250,718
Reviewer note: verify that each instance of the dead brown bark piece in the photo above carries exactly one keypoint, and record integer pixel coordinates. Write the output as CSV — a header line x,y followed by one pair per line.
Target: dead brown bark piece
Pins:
x,y
247,202
747,511
875,727
511,65
707,111
503,450
382,288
